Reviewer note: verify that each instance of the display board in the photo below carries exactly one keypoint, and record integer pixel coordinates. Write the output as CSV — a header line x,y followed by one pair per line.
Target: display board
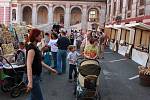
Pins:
x,y
122,50
140,57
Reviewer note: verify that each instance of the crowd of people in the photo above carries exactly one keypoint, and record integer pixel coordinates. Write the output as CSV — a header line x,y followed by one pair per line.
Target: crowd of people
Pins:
x,y
59,47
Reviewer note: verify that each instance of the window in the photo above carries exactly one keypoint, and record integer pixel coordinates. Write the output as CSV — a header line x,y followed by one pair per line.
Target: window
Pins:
x,y
93,15
114,10
130,4
142,2
14,15
141,11
121,5
109,9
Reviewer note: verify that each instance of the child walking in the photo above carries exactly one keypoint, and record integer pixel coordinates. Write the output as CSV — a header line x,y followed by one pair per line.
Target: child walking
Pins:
x,y
72,58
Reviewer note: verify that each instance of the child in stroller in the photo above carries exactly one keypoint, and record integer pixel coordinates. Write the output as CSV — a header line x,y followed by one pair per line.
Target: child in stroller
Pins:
x,y
87,85
11,80
12,73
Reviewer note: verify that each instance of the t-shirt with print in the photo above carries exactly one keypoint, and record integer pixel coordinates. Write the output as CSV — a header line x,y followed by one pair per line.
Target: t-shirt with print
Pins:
x,y
53,45
73,56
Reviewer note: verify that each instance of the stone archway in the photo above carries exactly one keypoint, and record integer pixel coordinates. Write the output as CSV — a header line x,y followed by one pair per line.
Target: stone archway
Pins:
x,y
27,15
93,15
59,14
42,15
76,16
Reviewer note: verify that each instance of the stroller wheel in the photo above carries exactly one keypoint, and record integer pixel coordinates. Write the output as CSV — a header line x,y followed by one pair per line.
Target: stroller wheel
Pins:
x,y
4,88
98,96
16,92
77,99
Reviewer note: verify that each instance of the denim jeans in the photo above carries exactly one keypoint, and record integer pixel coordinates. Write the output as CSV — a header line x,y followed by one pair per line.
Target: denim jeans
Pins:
x,y
47,58
35,93
71,69
61,61
54,55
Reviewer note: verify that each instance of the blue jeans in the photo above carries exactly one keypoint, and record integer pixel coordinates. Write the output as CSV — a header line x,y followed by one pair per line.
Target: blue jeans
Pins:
x,y
54,55
47,58
36,93
61,61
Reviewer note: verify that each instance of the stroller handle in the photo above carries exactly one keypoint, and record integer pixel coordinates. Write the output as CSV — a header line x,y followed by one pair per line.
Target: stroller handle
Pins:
x,y
84,59
8,63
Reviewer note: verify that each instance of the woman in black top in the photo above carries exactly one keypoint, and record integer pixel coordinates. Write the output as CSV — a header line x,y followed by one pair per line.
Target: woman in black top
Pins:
x,y
34,65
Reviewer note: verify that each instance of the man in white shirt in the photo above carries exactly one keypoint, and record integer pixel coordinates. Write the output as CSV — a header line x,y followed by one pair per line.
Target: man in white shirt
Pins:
x,y
53,44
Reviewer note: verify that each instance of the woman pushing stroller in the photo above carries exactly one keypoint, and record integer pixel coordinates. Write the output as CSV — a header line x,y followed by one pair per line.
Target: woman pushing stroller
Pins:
x,y
89,47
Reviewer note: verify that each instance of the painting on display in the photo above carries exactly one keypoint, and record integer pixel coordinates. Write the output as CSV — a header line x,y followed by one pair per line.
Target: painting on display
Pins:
x,y
21,31
8,48
7,37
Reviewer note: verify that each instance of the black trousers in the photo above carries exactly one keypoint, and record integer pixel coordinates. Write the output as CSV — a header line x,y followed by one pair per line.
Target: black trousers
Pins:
x,y
71,69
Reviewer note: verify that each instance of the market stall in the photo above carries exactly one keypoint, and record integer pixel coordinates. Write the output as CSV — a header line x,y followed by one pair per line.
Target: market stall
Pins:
x,y
125,42
141,40
112,35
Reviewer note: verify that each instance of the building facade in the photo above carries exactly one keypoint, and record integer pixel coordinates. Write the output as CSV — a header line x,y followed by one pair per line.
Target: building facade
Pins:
x,y
129,11
64,12
5,11
128,28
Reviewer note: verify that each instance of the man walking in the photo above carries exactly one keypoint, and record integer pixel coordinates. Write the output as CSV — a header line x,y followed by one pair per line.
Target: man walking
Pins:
x,y
62,43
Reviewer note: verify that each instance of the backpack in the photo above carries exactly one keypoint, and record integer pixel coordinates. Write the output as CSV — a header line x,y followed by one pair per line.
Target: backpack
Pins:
x,y
20,57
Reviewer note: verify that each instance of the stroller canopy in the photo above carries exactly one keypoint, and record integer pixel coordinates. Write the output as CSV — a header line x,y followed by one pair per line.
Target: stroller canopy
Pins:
x,y
89,67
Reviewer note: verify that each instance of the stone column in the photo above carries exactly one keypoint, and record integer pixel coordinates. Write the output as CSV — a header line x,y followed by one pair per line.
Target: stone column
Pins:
x,y
34,15
67,18
84,18
50,14
19,14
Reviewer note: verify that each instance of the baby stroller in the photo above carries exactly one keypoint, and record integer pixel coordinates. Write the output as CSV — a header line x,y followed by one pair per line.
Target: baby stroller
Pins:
x,y
11,80
87,85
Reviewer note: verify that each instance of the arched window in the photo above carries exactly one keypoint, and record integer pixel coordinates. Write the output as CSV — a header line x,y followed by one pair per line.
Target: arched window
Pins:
x,y
93,15
14,15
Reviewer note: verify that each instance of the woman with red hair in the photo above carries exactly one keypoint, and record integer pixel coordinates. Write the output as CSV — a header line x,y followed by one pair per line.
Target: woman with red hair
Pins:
x,y
34,65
